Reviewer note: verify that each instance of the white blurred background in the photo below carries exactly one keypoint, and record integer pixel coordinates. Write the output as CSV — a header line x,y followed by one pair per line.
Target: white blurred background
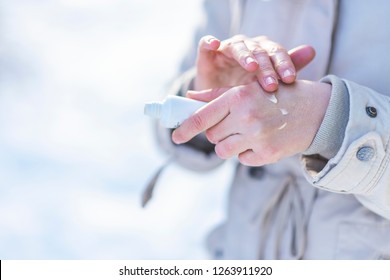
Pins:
x,y
76,150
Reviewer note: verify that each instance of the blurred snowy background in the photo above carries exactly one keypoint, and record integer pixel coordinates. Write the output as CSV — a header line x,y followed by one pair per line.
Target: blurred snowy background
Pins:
x,y
75,148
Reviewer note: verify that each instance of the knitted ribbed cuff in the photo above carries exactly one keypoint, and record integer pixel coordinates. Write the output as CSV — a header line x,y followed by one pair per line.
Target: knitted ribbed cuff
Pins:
x,y
331,133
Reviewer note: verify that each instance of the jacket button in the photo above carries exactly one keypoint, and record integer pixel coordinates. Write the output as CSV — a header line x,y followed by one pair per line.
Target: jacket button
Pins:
x,y
365,153
371,112
218,254
256,172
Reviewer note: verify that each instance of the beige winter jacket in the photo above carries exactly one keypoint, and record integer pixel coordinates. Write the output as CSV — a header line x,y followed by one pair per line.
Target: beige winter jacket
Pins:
x,y
308,206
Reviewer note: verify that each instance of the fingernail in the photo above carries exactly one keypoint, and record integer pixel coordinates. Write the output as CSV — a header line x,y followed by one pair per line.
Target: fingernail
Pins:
x,y
209,40
288,73
249,60
270,81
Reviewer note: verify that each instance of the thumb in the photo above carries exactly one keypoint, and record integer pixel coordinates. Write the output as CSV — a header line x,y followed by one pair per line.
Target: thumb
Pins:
x,y
206,95
208,43
302,56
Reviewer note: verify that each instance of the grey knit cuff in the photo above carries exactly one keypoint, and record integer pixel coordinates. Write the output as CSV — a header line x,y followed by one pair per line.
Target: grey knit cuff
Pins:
x,y
331,133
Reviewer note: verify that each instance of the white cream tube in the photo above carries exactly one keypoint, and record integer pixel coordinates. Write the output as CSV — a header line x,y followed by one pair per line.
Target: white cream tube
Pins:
x,y
173,110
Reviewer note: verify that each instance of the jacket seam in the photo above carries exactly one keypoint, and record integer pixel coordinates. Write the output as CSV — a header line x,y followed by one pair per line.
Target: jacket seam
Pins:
x,y
382,167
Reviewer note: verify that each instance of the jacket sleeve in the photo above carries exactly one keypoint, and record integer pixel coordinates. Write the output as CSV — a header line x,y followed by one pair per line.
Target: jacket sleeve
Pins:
x,y
216,21
361,165
198,154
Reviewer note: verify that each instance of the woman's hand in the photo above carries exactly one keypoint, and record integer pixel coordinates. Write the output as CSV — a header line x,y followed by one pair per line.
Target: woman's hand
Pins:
x,y
242,60
256,126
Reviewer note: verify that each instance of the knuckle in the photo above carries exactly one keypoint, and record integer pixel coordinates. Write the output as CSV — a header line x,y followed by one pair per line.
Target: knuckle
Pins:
x,y
265,64
243,94
211,136
285,69
252,120
258,158
258,51
248,117
266,68
238,37
284,63
276,50
197,122
237,98
224,151
243,54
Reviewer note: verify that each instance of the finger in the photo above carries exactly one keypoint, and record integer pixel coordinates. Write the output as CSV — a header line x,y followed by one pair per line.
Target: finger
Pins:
x,y
301,56
231,146
267,154
250,158
266,74
206,95
224,129
281,60
238,51
208,43
206,117
282,63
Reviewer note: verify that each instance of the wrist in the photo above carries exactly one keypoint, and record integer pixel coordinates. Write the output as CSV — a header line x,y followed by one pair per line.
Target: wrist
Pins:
x,y
330,135
308,101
